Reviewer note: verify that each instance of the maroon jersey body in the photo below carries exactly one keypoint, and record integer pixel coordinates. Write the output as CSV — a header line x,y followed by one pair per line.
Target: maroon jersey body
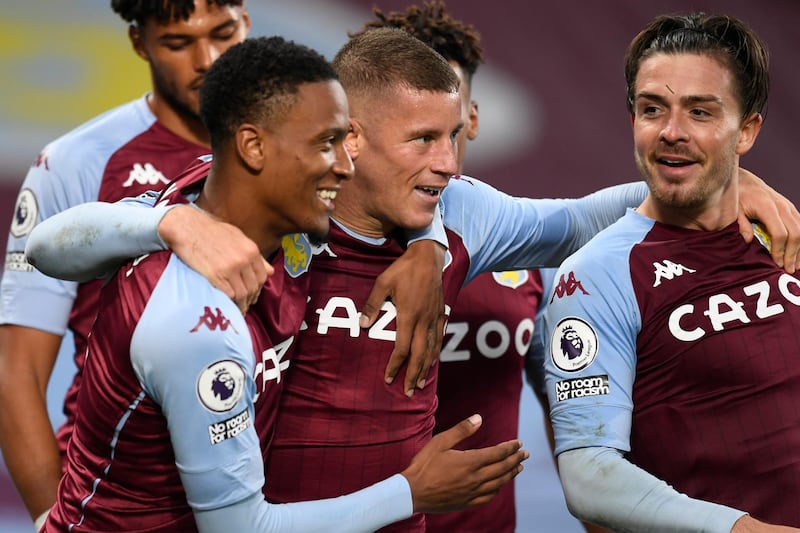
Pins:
x,y
340,427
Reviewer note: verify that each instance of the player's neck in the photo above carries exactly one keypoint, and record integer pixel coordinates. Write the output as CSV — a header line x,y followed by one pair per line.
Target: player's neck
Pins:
x,y
183,124
351,214
712,217
226,196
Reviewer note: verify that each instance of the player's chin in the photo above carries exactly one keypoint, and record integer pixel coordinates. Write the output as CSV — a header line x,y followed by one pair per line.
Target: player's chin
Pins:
x,y
417,220
318,229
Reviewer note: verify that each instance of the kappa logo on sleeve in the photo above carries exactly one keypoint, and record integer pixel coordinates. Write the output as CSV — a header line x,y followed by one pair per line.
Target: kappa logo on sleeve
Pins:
x,y
213,321
567,287
574,345
221,385
25,213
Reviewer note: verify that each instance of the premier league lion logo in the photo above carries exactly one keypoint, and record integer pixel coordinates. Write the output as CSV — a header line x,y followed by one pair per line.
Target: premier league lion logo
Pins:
x,y
25,214
573,345
221,385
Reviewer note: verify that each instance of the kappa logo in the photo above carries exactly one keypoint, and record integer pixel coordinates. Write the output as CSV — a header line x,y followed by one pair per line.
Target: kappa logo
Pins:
x,y
567,287
145,174
669,270
323,248
213,321
42,160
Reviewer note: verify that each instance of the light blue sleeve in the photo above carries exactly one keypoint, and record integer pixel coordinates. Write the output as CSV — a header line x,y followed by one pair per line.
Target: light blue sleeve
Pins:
x,y
360,512
193,355
502,232
90,240
52,184
199,370
67,172
534,359
603,488
590,328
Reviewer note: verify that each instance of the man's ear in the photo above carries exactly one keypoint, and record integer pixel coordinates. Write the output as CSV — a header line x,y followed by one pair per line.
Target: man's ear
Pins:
x,y
250,147
137,41
353,139
472,125
747,136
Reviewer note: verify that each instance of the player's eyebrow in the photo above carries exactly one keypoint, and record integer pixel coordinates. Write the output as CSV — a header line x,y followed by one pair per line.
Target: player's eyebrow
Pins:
x,y
685,100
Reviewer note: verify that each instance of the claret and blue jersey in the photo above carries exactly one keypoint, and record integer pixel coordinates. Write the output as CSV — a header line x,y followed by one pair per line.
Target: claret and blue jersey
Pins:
x,y
678,347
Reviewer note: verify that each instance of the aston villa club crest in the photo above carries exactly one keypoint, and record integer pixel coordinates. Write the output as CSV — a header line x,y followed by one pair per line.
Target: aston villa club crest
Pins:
x,y
511,278
296,253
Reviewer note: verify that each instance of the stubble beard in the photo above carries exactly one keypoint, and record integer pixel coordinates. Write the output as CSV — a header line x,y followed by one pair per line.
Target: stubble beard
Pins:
x,y
693,197
171,95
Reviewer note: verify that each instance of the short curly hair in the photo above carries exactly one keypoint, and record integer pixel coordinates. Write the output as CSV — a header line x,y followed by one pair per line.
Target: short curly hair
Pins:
x,y
431,24
163,11
256,81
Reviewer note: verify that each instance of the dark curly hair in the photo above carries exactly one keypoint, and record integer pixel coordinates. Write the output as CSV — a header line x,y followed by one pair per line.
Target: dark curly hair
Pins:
x,y
163,11
725,38
431,24
256,81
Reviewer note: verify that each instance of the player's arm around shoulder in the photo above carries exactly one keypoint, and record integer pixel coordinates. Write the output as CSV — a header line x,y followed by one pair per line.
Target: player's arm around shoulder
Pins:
x,y
500,232
90,240
193,355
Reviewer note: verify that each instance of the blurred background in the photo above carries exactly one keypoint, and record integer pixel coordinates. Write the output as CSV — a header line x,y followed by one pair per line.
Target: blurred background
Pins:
x,y
553,121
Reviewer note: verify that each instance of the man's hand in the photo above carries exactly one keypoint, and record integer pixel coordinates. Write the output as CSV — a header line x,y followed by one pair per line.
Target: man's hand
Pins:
x,y
414,284
747,524
779,216
444,479
217,250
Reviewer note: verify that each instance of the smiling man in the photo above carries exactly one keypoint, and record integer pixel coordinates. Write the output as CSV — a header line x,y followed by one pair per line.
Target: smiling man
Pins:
x,y
173,413
673,372
133,148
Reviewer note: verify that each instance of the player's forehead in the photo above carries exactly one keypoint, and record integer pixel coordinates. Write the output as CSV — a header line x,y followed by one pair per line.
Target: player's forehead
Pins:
x,y
685,76
318,108
415,109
